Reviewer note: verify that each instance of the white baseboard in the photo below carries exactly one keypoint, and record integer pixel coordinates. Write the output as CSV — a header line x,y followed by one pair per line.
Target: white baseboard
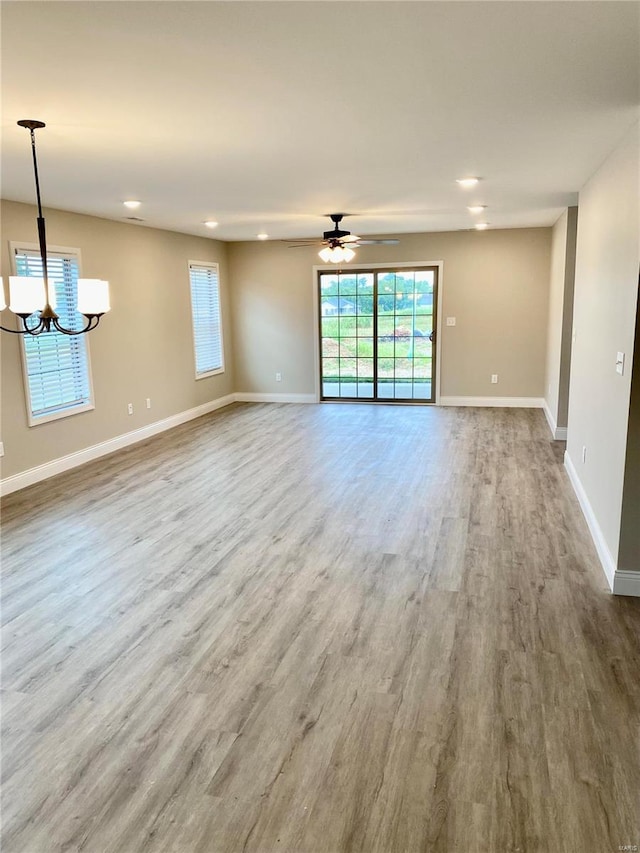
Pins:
x,y
626,583
495,402
559,433
606,557
250,397
88,454
550,419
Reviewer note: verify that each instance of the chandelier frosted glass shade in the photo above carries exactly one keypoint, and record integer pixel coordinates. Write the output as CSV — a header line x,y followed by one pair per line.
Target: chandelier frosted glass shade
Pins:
x,y
93,296
27,295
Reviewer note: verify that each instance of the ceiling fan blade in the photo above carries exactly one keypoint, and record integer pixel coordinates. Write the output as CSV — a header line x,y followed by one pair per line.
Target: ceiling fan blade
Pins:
x,y
364,242
349,238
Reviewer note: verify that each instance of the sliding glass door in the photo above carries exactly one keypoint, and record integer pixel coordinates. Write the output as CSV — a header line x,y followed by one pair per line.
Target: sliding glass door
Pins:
x,y
377,334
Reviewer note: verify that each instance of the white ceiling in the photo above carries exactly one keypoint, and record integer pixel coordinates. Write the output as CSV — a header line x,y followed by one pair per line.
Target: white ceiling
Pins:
x,y
267,115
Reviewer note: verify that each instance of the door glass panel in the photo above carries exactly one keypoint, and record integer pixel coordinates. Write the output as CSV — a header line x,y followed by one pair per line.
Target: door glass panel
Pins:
x,y
365,377
405,320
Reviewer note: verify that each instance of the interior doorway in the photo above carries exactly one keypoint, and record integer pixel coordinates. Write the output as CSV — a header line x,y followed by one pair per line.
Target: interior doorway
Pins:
x,y
377,334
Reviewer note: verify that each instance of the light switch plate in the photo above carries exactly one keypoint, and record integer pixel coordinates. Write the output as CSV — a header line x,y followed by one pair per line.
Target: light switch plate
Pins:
x,y
620,363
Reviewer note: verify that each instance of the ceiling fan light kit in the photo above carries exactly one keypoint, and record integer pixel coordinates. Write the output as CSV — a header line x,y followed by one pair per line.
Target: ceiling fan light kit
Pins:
x,y
29,294
337,254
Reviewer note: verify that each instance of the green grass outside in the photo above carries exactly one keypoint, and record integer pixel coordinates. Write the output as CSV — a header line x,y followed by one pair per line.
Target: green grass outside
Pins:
x,y
350,325
348,346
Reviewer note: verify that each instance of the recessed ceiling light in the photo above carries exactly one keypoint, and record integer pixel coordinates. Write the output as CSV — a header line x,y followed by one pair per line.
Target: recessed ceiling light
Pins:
x,y
263,236
467,182
477,208
210,223
132,204
482,226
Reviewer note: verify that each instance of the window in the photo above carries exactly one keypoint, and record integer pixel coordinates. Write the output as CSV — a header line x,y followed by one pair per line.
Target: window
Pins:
x,y
56,366
207,320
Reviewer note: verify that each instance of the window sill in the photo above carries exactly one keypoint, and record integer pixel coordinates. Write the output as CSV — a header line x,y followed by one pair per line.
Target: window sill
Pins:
x,y
209,373
36,420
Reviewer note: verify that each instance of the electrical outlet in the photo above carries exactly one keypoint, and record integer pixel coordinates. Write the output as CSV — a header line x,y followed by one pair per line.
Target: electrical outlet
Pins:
x,y
451,321
129,408
494,378
584,454
148,402
278,377
1,448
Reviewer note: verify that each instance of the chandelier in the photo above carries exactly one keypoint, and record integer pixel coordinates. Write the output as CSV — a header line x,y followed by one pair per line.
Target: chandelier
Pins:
x,y
28,294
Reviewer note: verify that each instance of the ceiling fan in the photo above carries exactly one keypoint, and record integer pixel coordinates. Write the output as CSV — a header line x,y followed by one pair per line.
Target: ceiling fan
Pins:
x,y
338,244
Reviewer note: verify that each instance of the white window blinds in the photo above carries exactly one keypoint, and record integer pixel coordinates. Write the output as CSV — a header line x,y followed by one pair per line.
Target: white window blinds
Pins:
x,y
56,365
207,320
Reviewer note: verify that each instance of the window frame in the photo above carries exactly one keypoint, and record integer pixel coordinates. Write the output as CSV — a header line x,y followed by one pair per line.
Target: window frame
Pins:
x,y
213,265
16,248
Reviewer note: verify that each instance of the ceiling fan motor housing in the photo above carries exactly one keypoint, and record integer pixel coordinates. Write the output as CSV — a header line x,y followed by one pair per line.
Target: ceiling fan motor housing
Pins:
x,y
335,234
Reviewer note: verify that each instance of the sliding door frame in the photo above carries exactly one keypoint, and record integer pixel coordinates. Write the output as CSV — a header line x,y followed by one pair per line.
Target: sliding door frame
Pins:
x,y
407,265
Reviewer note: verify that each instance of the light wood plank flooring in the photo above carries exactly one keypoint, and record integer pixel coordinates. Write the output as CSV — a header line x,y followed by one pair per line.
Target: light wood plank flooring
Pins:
x,y
317,628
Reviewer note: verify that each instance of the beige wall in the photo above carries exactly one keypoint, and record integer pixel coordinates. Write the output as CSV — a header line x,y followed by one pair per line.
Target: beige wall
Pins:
x,y
142,348
560,319
496,284
606,293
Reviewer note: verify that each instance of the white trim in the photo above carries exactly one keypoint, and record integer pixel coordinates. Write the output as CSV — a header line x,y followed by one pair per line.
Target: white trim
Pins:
x,y
495,402
550,419
606,557
626,583
35,247
59,413
559,433
88,454
250,397
380,266
209,373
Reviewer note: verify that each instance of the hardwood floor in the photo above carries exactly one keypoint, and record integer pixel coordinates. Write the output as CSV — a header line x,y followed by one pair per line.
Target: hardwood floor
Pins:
x,y
317,628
